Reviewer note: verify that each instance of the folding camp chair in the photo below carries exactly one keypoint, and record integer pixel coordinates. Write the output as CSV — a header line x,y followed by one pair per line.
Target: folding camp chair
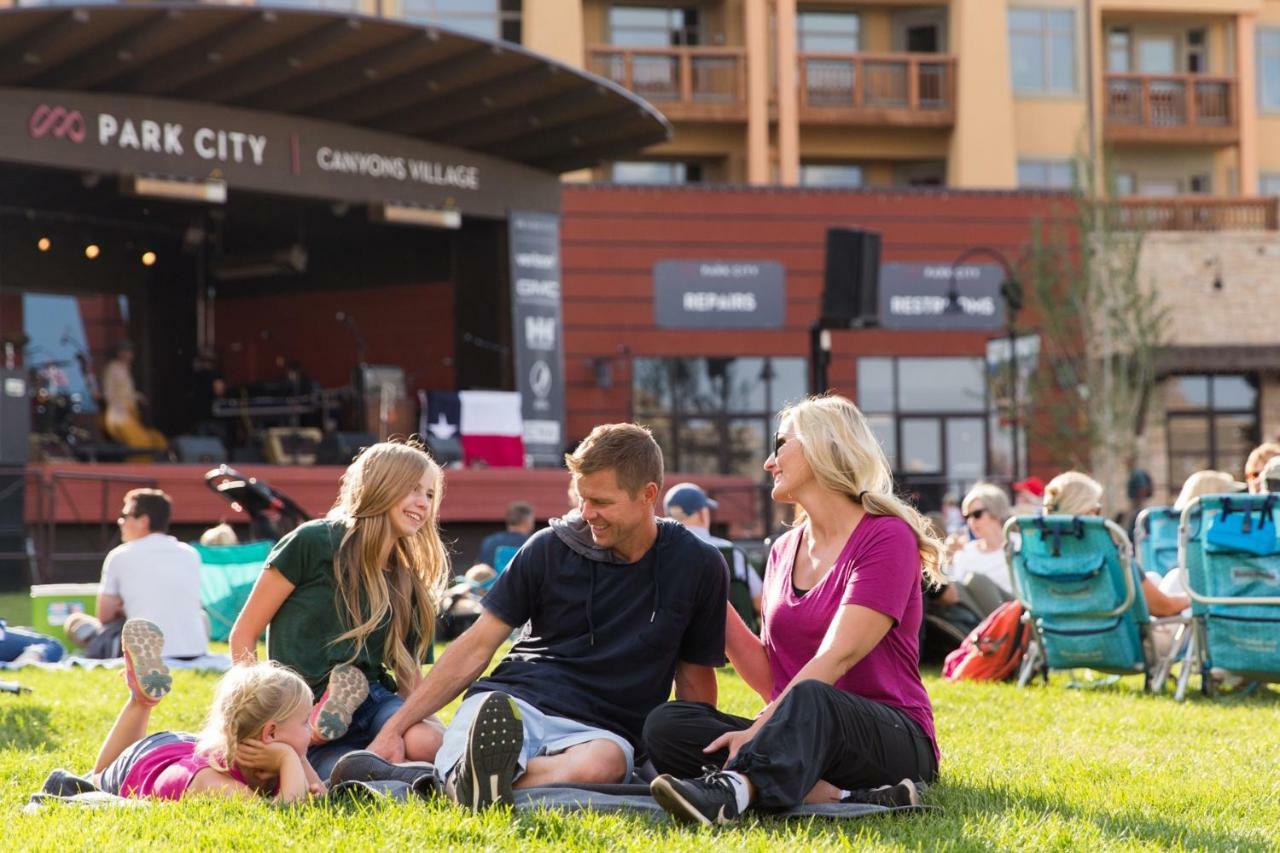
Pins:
x,y
1155,539
227,576
1229,546
1083,598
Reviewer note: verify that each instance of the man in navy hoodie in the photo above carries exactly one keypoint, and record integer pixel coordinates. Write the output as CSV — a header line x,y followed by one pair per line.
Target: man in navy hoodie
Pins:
x,y
615,605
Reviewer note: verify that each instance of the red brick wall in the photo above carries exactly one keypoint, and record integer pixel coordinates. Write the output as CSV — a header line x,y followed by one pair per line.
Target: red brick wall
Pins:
x,y
612,236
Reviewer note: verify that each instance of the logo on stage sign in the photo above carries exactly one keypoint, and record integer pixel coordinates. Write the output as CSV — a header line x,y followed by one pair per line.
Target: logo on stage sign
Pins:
x,y
540,379
61,122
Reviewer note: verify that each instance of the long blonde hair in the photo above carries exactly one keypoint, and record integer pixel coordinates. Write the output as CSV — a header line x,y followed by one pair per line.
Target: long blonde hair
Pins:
x,y
247,698
409,589
1072,493
846,458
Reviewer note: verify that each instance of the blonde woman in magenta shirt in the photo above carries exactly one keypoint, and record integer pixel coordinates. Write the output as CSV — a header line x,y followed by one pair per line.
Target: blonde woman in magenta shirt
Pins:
x,y
846,714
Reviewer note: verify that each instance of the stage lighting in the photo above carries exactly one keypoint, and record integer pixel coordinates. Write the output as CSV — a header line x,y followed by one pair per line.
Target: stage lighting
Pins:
x,y
148,259
44,244
92,251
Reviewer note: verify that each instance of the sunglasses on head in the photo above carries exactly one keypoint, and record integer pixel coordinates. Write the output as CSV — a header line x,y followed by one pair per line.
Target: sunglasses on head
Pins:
x,y
977,513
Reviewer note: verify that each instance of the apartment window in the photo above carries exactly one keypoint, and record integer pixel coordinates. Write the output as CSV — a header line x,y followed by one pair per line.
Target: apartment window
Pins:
x,y
1046,174
827,32
715,415
1197,52
328,5
1119,45
1210,422
1269,69
655,172
830,175
1269,184
653,26
492,19
1042,47
1200,184
931,417
1125,183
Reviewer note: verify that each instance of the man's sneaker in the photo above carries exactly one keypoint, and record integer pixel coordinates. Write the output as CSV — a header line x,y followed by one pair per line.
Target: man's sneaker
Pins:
x,y
142,644
708,801
364,766
485,773
905,793
331,717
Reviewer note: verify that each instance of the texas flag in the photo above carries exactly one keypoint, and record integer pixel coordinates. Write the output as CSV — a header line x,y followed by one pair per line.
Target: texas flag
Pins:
x,y
488,422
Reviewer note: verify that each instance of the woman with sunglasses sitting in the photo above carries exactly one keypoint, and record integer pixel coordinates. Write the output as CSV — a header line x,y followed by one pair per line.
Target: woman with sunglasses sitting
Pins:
x,y
846,714
977,568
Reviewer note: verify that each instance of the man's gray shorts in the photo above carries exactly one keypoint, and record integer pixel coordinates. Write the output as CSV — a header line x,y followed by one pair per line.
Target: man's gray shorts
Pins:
x,y
544,734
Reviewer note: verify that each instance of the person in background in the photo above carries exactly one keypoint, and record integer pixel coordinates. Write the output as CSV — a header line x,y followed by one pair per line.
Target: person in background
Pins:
x,y
1074,493
952,517
151,576
1028,494
1258,459
519,527
123,418
1271,475
219,535
977,569
688,504
1138,489
22,645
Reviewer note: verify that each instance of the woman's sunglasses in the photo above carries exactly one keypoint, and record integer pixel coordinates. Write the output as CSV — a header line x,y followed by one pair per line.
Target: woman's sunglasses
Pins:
x,y
977,513
778,440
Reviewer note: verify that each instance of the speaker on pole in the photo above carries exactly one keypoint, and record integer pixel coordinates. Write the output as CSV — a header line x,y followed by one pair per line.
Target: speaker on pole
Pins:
x,y
851,290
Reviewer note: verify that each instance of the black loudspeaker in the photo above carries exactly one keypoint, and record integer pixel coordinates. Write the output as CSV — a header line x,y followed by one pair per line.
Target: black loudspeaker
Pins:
x,y
339,448
851,291
13,537
15,417
205,449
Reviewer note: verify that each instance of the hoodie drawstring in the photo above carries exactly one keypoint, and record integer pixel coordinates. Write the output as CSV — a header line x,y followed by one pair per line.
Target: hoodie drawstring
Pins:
x,y
656,596
591,591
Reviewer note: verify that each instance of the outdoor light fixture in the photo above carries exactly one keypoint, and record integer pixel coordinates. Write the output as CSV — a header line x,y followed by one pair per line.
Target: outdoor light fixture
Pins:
x,y
92,251
44,244
211,191
148,259
397,214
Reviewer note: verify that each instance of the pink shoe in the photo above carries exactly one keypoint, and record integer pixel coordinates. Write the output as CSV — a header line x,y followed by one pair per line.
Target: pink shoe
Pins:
x,y
142,643
331,716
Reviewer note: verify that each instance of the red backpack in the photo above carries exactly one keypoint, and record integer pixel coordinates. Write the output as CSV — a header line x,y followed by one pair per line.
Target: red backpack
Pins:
x,y
993,650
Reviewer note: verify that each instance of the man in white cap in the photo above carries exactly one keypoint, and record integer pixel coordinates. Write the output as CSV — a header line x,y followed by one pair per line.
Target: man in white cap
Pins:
x,y
688,504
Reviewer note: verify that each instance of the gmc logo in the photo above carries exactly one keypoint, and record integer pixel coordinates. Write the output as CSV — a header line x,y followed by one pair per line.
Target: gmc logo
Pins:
x,y
59,122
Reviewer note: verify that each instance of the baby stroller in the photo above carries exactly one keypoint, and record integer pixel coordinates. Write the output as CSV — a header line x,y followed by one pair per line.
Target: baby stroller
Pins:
x,y
228,572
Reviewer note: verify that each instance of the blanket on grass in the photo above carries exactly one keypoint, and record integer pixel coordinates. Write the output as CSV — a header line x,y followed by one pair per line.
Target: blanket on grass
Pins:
x,y
64,787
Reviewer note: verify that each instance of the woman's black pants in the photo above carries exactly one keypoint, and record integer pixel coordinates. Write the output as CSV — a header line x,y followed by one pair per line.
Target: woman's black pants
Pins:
x,y
818,732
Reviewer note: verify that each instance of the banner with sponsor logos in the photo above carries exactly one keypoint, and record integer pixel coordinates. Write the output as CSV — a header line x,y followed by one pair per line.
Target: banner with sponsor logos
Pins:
x,y
537,326
267,152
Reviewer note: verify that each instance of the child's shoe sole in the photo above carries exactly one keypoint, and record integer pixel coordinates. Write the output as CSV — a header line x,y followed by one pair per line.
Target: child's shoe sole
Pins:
x,y
331,717
142,643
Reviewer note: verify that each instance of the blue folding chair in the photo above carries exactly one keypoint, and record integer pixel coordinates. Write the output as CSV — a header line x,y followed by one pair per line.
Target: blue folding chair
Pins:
x,y
1231,551
1083,598
1155,539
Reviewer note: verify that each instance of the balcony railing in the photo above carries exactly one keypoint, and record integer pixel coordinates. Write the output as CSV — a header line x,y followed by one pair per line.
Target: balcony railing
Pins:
x,y
1196,213
684,82
869,88
1187,108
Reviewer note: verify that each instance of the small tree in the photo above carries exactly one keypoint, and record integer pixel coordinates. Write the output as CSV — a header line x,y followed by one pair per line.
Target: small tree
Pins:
x,y
1101,330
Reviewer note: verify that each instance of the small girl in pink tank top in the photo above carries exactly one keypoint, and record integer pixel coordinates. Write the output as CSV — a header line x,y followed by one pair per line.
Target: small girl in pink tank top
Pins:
x,y
254,741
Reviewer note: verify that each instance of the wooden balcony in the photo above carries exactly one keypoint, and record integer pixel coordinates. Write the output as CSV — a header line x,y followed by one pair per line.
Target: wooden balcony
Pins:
x,y
1194,109
698,83
1195,213
901,89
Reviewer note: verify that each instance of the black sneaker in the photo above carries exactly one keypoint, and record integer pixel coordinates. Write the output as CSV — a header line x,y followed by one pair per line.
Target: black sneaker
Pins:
x,y
709,800
487,769
905,793
364,766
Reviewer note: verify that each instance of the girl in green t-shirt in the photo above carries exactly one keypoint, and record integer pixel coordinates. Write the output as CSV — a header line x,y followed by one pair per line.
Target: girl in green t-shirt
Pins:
x,y
349,601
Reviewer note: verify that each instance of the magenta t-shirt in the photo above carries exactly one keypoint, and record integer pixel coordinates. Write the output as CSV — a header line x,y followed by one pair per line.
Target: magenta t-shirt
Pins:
x,y
166,771
879,568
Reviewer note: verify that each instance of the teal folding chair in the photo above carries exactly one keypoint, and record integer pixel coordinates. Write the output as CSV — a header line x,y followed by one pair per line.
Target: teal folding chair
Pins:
x,y
1155,539
1083,599
227,576
1231,551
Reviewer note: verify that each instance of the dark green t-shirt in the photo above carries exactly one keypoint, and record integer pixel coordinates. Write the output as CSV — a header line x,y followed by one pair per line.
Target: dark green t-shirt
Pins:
x,y
301,634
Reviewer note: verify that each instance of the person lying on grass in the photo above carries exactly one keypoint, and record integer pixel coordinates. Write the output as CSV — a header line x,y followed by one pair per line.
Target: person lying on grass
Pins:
x,y
254,741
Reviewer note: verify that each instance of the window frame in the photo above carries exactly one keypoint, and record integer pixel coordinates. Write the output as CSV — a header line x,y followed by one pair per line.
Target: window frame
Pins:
x,y
509,22
1048,165
1262,52
1207,415
1044,35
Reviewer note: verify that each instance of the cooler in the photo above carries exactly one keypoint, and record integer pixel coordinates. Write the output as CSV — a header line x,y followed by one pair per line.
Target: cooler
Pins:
x,y
52,603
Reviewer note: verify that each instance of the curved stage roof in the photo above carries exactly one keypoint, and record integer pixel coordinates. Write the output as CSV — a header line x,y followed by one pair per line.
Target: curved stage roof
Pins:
x,y
427,83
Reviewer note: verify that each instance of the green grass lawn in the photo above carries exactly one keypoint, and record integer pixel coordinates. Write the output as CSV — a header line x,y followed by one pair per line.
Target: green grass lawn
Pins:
x,y
1041,768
